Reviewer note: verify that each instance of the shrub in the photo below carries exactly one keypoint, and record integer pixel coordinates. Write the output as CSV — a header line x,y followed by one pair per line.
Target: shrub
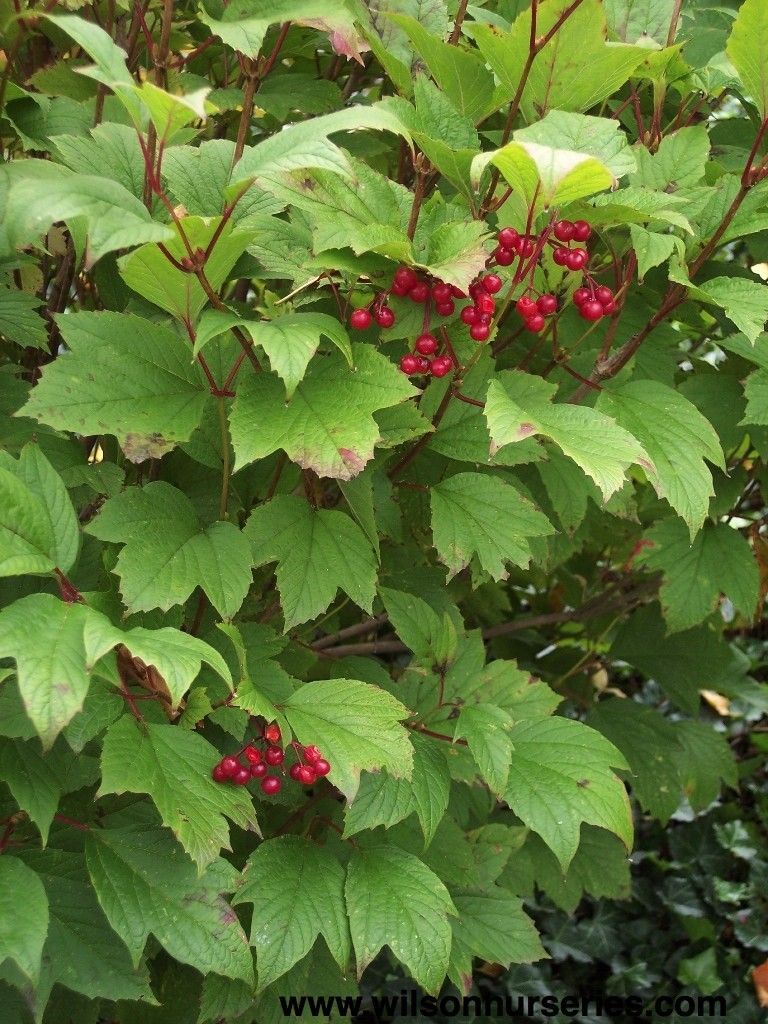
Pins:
x,y
384,405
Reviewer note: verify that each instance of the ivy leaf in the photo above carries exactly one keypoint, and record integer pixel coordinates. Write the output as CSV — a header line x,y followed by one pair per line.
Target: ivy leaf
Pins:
x,y
146,884
677,438
38,526
747,50
22,935
328,424
123,375
290,341
174,767
493,926
317,552
356,725
167,554
519,405
486,729
393,899
560,776
717,561
477,516
297,892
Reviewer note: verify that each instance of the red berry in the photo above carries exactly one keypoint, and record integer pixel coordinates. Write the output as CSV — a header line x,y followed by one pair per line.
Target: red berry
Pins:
x,y
218,774
426,344
294,771
419,292
592,310
274,755
441,292
484,318
272,733
405,278
582,295
546,304
485,304
424,364
609,307
384,317
446,308
410,364
507,238
525,306
230,765
400,289
306,775
504,257
563,231
360,319
457,293
581,231
479,332
492,283
561,256
535,323
242,776
475,290
321,767
603,294
577,259
252,754
524,247
258,770
311,754
441,366
468,315
271,785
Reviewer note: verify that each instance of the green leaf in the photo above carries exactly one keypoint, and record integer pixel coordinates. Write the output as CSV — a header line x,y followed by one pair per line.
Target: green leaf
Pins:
x,y
486,729
680,160
112,217
717,561
162,563
651,746
747,50
19,319
45,636
394,900
600,137
23,916
460,73
756,391
430,784
477,516
418,625
700,972
677,439
122,375
558,79
149,272
544,176
297,892
243,24
636,21
81,952
109,57
380,800
356,725
317,552
683,663
146,884
290,341
561,776
328,424
519,405
707,761
493,926
745,302
47,499
651,248
174,767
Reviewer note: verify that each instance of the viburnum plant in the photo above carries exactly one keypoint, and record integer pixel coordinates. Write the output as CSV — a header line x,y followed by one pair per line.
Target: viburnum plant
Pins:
x,y
383,403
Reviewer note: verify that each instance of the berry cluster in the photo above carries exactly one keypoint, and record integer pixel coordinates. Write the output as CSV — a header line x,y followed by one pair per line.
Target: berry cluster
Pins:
x,y
535,311
478,316
594,302
566,231
310,764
